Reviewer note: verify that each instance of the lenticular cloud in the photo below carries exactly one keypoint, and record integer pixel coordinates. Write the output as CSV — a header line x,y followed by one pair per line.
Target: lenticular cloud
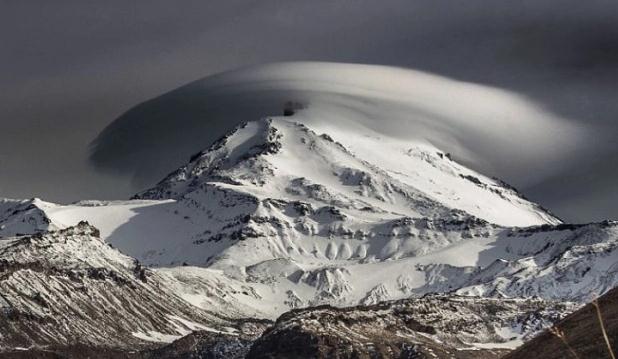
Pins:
x,y
496,131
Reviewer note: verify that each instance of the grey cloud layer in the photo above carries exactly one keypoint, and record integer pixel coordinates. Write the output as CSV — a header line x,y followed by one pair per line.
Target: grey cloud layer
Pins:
x,y
71,67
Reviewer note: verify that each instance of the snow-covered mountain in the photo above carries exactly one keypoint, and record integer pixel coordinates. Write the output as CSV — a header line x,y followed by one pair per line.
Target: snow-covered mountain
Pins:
x,y
281,169
277,215
277,158
67,287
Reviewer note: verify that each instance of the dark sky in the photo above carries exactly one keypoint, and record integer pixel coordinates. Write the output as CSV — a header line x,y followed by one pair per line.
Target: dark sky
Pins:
x,y
69,68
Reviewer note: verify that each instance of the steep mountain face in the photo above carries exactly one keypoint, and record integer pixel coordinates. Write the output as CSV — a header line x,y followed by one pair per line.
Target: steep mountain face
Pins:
x,y
281,181
69,287
276,158
23,217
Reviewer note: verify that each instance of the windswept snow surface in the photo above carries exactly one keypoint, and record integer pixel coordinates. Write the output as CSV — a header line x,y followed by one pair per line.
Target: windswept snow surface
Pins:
x,y
276,216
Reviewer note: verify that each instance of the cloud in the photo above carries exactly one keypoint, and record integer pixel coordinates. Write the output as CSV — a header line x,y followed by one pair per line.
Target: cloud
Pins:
x,y
493,130
72,66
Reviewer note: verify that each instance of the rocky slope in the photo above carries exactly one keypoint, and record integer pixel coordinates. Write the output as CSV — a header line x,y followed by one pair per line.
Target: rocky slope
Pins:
x,y
581,332
433,326
68,287
428,327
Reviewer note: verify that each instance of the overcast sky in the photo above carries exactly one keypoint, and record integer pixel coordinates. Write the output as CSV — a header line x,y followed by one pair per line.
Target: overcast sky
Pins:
x,y
69,68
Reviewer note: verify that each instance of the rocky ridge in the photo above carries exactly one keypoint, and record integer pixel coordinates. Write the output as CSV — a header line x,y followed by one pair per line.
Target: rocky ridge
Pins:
x,y
66,287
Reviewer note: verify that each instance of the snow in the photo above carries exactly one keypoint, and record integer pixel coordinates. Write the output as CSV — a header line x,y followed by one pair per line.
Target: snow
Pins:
x,y
422,166
512,338
70,284
185,326
277,215
154,336
309,169
512,344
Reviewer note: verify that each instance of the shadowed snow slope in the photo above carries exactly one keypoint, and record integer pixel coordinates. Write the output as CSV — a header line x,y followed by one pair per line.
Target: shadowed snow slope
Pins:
x,y
497,131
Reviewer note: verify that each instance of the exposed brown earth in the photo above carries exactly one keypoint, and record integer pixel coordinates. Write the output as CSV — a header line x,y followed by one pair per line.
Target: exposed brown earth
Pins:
x,y
583,337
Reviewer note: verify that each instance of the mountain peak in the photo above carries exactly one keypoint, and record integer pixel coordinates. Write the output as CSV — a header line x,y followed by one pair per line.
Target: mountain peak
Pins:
x,y
277,157
246,142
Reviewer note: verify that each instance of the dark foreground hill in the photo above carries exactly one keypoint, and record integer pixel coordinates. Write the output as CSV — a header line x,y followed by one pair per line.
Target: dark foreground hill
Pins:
x,y
581,332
